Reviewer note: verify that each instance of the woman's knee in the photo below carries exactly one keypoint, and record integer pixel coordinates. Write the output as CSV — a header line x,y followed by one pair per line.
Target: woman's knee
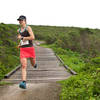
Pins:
x,y
24,66
24,63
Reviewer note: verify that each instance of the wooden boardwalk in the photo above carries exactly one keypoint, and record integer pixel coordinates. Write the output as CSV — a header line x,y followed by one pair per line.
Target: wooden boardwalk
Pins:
x,y
49,68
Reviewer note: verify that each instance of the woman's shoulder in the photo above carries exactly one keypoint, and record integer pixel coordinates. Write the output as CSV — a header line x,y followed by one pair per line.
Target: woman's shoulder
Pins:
x,y
28,27
18,30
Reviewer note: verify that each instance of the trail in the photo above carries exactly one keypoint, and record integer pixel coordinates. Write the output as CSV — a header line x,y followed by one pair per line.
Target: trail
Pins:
x,y
41,82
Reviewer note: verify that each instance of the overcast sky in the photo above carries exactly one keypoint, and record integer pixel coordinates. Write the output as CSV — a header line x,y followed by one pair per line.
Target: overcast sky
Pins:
x,y
78,13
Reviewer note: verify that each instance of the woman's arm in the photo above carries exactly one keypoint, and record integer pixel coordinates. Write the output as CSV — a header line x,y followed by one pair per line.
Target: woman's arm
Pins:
x,y
31,37
19,37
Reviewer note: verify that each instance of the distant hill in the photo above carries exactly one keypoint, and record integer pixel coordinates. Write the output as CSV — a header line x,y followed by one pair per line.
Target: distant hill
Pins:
x,y
82,40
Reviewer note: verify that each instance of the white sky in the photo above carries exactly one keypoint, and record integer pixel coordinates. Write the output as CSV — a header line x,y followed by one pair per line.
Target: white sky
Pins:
x,y
78,13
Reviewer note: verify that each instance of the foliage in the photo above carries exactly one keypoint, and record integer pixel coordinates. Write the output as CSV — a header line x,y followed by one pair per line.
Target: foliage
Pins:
x,y
8,53
82,40
85,85
78,47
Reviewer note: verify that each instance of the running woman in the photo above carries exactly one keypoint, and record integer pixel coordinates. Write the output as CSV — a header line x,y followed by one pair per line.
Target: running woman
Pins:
x,y
27,50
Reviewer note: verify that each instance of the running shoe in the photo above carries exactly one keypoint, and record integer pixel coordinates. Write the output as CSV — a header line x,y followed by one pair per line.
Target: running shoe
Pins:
x,y
22,85
35,66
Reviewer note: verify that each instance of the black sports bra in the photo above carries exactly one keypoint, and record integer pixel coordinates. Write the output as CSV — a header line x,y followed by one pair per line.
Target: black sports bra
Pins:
x,y
25,33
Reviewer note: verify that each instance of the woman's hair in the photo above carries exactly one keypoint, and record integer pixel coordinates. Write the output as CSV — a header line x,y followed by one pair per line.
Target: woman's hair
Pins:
x,y
25,21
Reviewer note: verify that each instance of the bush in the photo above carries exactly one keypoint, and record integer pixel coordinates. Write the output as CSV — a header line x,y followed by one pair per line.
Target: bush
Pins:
x,y
2,70
77,88
8,53
96,60
96,85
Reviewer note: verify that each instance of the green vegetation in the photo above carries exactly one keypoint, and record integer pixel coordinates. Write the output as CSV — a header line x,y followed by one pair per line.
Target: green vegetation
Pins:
x,y
85,85
9,55
83,40
78,47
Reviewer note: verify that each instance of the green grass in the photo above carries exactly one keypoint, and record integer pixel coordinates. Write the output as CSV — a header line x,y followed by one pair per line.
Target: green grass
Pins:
x,y
45,45
73,62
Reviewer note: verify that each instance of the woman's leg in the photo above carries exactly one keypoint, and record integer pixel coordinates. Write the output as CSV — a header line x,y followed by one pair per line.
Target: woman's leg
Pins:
x,y
33,61
24,66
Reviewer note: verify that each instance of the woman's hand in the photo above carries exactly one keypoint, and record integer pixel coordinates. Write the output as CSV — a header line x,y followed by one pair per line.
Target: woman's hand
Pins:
x,y
24,39
18,46
19,37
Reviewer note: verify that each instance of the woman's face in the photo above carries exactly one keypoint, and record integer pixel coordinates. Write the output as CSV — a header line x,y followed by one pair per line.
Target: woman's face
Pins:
x,y
22,22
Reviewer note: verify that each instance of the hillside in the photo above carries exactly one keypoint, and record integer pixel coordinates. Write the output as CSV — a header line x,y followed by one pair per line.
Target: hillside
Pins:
x,y
82,40
78,47
8,52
